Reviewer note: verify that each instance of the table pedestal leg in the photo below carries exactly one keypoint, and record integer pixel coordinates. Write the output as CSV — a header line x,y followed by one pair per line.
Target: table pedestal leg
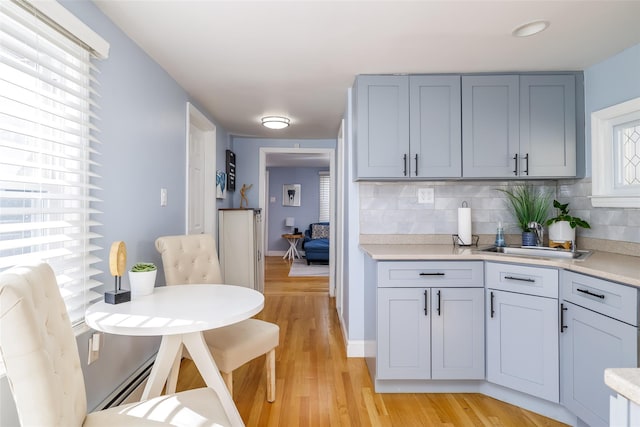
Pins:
x,y
170,346
203,360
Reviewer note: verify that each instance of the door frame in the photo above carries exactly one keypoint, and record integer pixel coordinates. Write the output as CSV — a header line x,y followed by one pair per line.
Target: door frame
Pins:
x,y
197,119
262,199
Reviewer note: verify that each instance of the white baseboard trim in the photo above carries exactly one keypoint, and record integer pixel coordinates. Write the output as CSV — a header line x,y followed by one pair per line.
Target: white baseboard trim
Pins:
x,y
281,253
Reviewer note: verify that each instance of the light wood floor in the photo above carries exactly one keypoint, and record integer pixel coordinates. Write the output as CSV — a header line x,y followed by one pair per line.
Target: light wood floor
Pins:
x,y
317,385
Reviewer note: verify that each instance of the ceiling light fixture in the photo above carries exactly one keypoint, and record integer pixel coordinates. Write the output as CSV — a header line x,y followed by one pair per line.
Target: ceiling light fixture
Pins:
x,y
275,122
530,28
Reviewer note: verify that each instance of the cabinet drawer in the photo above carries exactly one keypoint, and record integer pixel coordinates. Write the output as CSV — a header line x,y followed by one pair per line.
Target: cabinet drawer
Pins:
x,y
523,279
408,274
609,298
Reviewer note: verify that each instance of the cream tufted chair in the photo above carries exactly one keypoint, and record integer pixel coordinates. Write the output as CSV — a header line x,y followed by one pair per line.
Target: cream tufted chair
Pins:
x,y
193,259
40,353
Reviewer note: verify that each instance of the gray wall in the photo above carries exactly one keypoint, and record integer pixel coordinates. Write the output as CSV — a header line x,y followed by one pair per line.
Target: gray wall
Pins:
x,y
305,214
143,148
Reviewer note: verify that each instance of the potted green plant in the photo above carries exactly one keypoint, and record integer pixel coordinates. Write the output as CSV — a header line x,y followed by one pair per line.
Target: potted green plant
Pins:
x,y
528,205
142,278
562,228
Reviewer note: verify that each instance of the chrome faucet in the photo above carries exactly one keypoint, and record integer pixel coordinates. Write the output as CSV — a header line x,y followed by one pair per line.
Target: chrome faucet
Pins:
x,y
539,230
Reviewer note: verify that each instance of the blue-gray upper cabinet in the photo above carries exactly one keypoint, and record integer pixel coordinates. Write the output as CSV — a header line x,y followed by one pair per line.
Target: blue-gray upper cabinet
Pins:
x,y
519,126
435,133
382,129
548,125
490,126
408,127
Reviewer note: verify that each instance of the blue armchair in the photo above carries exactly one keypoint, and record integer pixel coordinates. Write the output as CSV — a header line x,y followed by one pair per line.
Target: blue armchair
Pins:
x,y
316,242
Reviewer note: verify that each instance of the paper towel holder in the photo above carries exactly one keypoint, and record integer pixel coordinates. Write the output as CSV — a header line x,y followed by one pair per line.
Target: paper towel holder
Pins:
x,y
458,242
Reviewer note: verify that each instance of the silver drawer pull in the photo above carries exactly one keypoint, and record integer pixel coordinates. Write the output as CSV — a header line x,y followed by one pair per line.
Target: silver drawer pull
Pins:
x,y
521,279
588,292
432,274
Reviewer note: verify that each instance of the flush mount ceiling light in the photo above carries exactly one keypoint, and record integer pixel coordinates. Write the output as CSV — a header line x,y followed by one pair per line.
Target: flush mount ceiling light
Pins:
x,y
530,28
275,122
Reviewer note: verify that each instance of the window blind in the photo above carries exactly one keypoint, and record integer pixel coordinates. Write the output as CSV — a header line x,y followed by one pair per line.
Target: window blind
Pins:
x,y
325,194
47,142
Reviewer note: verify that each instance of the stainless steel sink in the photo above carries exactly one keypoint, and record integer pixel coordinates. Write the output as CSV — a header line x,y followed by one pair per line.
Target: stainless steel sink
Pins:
x,y
539,252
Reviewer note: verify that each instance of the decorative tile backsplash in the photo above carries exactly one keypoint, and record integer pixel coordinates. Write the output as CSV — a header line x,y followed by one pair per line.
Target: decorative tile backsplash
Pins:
x,y
393,208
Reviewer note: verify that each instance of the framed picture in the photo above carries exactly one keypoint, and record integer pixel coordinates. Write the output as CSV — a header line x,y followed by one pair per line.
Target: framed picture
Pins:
x,y
231,170
221,184
291,195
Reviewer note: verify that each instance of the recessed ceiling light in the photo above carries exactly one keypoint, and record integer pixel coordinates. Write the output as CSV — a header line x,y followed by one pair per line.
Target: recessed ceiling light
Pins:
x,y
275,122
531,28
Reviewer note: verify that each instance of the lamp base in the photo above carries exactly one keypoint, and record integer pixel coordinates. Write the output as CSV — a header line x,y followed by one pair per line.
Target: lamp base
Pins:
x,y
117,297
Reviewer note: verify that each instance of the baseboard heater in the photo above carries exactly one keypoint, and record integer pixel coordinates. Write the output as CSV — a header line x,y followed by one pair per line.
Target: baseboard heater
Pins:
x,y
133,386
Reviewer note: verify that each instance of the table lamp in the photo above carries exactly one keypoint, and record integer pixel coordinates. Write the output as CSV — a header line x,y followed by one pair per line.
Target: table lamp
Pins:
x,y
290,222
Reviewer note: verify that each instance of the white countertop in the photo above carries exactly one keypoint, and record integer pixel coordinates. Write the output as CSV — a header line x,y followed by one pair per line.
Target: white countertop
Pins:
x,y
624,381
619,268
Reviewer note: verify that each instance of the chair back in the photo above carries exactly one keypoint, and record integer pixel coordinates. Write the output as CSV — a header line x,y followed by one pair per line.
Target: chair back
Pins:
x,y
39,349
189,259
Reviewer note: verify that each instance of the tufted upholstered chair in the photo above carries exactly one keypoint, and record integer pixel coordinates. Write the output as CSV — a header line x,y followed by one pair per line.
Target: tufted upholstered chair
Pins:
x,y
43,366
193,259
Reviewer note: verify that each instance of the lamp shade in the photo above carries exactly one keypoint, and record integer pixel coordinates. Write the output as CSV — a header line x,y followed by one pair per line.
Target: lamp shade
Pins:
x,y
289,221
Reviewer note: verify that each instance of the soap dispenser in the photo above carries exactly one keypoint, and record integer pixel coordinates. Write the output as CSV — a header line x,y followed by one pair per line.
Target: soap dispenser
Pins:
x,y
500,236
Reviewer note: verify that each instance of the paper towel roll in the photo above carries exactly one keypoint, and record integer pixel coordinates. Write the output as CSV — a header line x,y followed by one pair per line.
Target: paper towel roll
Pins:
x,y
464,226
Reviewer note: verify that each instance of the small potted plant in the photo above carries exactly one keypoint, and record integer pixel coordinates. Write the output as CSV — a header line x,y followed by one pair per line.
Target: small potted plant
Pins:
x,y
528,206
562,228
142,278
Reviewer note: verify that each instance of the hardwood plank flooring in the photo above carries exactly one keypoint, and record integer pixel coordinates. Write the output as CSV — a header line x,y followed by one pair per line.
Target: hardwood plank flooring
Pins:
x,y
317,385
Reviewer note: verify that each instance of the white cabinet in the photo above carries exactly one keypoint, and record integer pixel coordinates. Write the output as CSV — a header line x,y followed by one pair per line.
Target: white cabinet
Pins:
x,y
240,247
522,329
430,332
519,126
592,342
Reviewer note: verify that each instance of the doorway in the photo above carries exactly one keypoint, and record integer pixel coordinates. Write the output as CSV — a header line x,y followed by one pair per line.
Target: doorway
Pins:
x,y
296,157
201,214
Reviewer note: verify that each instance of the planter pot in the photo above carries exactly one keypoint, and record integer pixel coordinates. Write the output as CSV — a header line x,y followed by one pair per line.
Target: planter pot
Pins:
x,y
561,234
142,282
529,238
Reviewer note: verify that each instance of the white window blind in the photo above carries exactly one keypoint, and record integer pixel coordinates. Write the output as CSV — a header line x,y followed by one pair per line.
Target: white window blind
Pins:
x,y
46,147
325,194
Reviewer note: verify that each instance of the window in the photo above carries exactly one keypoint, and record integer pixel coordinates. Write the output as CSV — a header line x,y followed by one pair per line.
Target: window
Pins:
x,y
46,148
615,153
325,194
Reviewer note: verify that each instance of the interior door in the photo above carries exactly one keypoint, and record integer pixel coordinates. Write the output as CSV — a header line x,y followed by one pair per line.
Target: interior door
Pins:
x,y
196,190
201,213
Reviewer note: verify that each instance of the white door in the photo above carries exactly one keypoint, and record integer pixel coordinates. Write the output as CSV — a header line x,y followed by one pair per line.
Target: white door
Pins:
x,y
201,160
196,181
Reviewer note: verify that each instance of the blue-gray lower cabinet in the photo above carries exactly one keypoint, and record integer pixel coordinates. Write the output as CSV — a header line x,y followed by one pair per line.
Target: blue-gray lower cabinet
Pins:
x,y
599,331
430,333
522,328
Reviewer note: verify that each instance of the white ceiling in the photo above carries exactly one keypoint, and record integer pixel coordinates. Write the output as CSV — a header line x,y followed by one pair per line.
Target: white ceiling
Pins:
x,y
242,60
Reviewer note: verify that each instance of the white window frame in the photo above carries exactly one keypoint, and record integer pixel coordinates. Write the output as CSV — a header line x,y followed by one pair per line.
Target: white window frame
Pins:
x,y
64,242
324,213
604,192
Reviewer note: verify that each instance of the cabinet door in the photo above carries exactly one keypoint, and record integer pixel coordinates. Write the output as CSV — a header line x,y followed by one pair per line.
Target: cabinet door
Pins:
x,y
522,343
548,125
238,247
490,135
382,126
404,336
457,327
591,343
435,134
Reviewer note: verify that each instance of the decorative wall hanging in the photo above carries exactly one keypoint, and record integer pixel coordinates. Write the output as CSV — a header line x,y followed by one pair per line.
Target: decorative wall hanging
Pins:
x,y
291,195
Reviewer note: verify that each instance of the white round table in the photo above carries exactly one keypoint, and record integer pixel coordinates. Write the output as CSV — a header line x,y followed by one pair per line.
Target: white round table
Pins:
x,y
180,314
